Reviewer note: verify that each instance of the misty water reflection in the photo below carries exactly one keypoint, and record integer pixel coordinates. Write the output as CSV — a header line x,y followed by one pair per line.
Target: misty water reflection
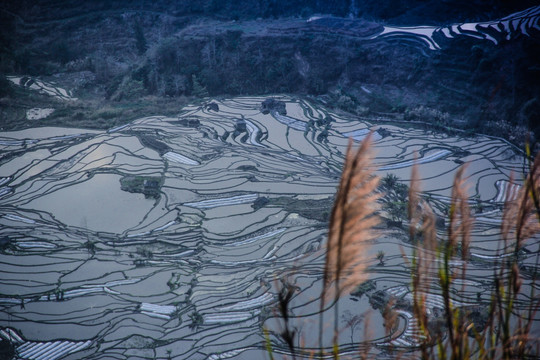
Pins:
x,y
151,253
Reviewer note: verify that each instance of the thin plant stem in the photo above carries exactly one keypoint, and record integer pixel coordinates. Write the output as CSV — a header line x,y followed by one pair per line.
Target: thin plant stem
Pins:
x,y
350,228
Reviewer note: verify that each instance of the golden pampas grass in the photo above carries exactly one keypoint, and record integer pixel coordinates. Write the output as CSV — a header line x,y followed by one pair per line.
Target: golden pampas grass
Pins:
x,y
521,215
421,214
351,222
413,208
461,220
350,231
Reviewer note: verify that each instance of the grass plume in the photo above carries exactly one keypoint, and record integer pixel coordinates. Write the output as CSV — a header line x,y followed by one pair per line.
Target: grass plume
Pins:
x,y
459,235
421,215
351,228
459,331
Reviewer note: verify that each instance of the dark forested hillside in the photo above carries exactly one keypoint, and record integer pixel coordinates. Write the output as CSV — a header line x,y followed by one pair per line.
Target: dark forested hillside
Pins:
x,y
119,51
400,11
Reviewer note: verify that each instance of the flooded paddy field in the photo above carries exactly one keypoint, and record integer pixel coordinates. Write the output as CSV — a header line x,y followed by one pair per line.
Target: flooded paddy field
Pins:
x,y
166,237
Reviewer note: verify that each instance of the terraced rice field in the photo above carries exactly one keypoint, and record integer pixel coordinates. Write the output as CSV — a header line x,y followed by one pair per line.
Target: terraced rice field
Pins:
x,y
93,271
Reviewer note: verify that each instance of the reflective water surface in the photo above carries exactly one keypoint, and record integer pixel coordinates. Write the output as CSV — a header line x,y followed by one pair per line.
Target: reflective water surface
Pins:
x,y
166,237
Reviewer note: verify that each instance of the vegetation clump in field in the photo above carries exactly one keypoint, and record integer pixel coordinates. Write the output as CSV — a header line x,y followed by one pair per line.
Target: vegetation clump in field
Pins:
x,y
149,186
498,329
273,105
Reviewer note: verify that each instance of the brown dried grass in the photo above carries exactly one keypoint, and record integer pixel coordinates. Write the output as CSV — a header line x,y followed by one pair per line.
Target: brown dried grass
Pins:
x,y
352,221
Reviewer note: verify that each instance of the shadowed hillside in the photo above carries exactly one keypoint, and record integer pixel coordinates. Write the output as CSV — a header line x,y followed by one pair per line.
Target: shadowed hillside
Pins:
x,y
122,51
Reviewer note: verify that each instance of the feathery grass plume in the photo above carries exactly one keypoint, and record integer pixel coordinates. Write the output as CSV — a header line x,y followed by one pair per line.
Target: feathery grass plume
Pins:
x,y
520,221
524,339
423,256
461,213
460,224
350,230
459,228
534,179
509,213
528,209
414,202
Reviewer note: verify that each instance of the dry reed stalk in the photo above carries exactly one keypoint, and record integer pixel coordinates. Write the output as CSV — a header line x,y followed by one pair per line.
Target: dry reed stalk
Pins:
x,y
350,229
520,216
423,256
413,208
534,180
509,213
460,215
521,221
459,232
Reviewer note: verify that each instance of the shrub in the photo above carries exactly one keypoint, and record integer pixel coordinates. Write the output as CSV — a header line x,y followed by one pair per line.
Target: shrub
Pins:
x,y
427,114
507,130
140,39
198,90
129,89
